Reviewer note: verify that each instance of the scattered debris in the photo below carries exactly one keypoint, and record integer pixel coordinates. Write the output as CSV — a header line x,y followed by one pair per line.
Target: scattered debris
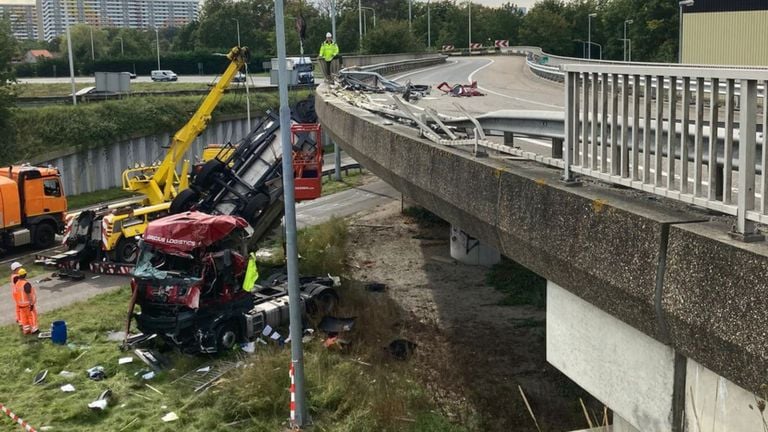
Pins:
x,y
204,369
75,275
332,325
124,360
152,359
336,342
171,416
401,349
154,389
44,335
134,340
102,401
28,370
466,90
248,347
376,287
96,373
40,377
67,374
373,82
67,388
149,375
200,381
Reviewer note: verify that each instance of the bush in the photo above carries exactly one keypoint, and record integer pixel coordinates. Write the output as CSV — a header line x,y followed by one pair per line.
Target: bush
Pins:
x,y
323,248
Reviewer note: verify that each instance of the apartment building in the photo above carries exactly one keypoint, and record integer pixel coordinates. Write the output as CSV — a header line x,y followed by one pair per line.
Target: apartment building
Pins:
x,y
23,17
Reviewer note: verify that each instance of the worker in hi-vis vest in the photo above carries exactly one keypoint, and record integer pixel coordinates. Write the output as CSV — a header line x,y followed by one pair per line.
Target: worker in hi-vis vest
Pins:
x,y
27,302
328,51
14,269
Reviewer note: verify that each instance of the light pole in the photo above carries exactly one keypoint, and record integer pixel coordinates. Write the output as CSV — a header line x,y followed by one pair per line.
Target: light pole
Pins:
x,y
69,54
626,22
374,16
680,29
589,34
93,56
470,27
122,51
333,19
429,27
410,6
360,21
157,38
238,30
247,93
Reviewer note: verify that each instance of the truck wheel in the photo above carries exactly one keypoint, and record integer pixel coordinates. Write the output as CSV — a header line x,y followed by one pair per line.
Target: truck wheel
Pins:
x,y
323,303
226,337
45,236
255,207
204,179
183,201
127,251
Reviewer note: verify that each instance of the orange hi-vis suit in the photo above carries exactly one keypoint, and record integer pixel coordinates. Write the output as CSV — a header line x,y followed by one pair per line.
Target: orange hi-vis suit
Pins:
x,y
15,295
27,305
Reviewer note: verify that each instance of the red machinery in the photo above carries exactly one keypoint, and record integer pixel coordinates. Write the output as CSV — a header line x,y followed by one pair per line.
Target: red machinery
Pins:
x,y
307,142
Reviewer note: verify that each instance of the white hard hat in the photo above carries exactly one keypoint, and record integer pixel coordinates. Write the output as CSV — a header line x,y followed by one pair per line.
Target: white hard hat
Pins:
x,y
15,266
328,35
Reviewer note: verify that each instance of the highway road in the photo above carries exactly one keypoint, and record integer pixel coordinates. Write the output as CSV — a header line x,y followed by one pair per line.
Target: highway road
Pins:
x,y
258,81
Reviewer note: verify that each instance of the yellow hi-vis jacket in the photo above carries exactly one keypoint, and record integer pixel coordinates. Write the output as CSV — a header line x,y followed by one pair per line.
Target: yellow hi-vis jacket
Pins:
x,y
328,50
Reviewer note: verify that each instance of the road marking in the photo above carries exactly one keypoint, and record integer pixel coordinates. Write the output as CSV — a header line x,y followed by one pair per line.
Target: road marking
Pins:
x,y
490,62
398,77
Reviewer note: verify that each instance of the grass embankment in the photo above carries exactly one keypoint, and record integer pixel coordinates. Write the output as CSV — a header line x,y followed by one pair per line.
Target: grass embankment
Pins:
x,y
79,201
65,89
348,181
42,130
360,389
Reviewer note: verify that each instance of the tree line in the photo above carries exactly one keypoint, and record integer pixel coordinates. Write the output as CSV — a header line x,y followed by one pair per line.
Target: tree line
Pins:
x,y
559,27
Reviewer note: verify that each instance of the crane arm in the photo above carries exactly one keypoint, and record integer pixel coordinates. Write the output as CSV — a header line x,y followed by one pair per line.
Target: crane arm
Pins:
x,y
158,182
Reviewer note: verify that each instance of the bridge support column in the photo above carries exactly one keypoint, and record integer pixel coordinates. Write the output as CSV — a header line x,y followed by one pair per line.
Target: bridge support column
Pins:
x,y
648,386
468,250
509,139
557,148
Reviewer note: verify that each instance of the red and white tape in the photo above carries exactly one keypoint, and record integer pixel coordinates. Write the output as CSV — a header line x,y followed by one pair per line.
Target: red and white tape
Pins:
x,y
293,396
17,419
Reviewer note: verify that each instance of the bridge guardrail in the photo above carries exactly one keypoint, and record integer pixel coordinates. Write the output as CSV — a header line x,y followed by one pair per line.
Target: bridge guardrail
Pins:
x,y
400,66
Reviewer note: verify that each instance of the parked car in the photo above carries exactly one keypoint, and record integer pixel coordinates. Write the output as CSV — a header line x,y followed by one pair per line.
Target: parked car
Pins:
x,y
239,78
163,75
131,74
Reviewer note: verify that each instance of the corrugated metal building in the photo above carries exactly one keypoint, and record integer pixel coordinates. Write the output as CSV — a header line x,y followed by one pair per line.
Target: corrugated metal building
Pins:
x,y
726,32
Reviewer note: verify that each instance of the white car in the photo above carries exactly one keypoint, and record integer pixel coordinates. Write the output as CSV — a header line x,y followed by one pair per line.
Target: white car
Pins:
x,y
163,75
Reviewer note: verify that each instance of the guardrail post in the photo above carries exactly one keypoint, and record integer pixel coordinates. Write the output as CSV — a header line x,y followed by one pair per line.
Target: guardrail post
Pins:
x,y
571,124
746,230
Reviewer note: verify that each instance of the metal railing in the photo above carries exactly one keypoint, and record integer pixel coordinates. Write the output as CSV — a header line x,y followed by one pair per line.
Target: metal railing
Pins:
x,y
607,107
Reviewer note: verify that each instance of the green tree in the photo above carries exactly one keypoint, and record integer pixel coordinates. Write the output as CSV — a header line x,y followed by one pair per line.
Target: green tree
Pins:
x,y
81,42
391,37
8,49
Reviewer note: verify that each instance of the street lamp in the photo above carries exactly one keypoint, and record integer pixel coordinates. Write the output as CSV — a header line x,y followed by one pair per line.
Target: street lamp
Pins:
x,y
93,56
122,51
429,27
410,6
247,94
374,16
157,38
470,26
680,30
589,34
627,22
238,30
360,22
69,52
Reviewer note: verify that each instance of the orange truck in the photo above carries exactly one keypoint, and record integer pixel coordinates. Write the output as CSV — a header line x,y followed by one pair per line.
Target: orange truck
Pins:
x,y
32,206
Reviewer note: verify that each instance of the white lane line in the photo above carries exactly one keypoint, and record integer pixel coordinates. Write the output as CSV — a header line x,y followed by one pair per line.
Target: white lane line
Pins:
x,y
469,78
418,71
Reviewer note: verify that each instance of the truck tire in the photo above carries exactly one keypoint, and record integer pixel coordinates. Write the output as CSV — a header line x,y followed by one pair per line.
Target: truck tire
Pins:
x,y
323,303
204,179
127,251
226,336
45,236
184,201
255,207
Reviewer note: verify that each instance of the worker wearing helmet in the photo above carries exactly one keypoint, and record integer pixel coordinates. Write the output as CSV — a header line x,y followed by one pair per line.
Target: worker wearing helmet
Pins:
x,y
328,51
14,269
27,302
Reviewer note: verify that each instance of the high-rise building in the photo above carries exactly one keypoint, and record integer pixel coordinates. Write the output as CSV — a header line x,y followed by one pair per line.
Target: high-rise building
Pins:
x,y
55,14
23,17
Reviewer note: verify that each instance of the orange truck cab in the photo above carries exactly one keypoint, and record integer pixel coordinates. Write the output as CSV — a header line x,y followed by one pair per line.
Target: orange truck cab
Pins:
x,y
32,206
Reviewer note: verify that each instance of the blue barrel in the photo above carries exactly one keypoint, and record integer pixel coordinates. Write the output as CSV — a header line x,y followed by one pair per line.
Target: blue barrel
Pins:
x,y
59,332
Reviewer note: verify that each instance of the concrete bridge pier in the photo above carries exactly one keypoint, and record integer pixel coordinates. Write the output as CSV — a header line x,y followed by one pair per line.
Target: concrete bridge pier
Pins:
x,y
469,250
647,384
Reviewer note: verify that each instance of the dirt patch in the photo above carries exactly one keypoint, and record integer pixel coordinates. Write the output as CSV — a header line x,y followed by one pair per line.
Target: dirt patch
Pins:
x,y
472,352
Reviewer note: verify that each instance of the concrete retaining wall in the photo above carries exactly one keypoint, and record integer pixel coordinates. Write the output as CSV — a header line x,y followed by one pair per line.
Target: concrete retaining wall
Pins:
x,y
366,60
102,168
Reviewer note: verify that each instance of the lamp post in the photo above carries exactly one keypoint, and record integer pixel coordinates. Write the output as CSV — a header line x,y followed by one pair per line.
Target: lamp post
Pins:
x,y
93,55
589,34
626,22
122,51
333,19
237,21
470,27
680,29
157,38
247,94
69,54
429,27
360,22
410,6
374,17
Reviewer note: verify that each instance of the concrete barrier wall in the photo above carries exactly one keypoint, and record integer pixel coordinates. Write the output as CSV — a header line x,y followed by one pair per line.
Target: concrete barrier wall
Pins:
x,y
365,60
102,168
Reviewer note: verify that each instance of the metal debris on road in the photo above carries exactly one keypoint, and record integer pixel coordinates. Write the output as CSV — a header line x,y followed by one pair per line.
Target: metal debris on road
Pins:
x,y
201,379
460,90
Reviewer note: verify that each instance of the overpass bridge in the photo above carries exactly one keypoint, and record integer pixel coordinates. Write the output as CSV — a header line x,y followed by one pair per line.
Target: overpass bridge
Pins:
x,y
656,303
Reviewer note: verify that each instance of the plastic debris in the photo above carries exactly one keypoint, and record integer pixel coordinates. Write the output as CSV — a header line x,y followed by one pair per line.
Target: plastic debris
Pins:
x,y
249,347
40,377
44,335
149,375
67,374
102,401
67,388
204,369
171,416
125,360
96,373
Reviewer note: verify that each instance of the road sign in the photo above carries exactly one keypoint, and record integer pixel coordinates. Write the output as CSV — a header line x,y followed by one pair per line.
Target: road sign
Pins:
x,y
501,43
447,47
476,46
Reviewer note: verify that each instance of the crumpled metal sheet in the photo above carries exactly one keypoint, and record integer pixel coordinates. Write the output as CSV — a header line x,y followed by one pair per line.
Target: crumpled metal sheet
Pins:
x,y
185,232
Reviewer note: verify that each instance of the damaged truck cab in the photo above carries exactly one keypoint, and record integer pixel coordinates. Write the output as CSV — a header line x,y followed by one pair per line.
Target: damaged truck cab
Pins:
x,y
188,283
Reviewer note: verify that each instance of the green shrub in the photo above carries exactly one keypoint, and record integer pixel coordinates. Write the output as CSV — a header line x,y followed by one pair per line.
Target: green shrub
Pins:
x,y
323,248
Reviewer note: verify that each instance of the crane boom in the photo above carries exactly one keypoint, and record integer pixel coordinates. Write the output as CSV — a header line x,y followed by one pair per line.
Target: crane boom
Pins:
x,y
158,183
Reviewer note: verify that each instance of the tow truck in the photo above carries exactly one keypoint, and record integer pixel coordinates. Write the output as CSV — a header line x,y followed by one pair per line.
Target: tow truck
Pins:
x,y
189,285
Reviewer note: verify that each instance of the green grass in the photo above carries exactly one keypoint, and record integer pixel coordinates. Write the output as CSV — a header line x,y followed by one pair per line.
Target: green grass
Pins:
x,y
82,200
348,181
33,270
519,285
344,394
65,89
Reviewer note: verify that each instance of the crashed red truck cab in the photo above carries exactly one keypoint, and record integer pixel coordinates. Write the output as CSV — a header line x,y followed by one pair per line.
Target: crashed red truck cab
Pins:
x,y
188,283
